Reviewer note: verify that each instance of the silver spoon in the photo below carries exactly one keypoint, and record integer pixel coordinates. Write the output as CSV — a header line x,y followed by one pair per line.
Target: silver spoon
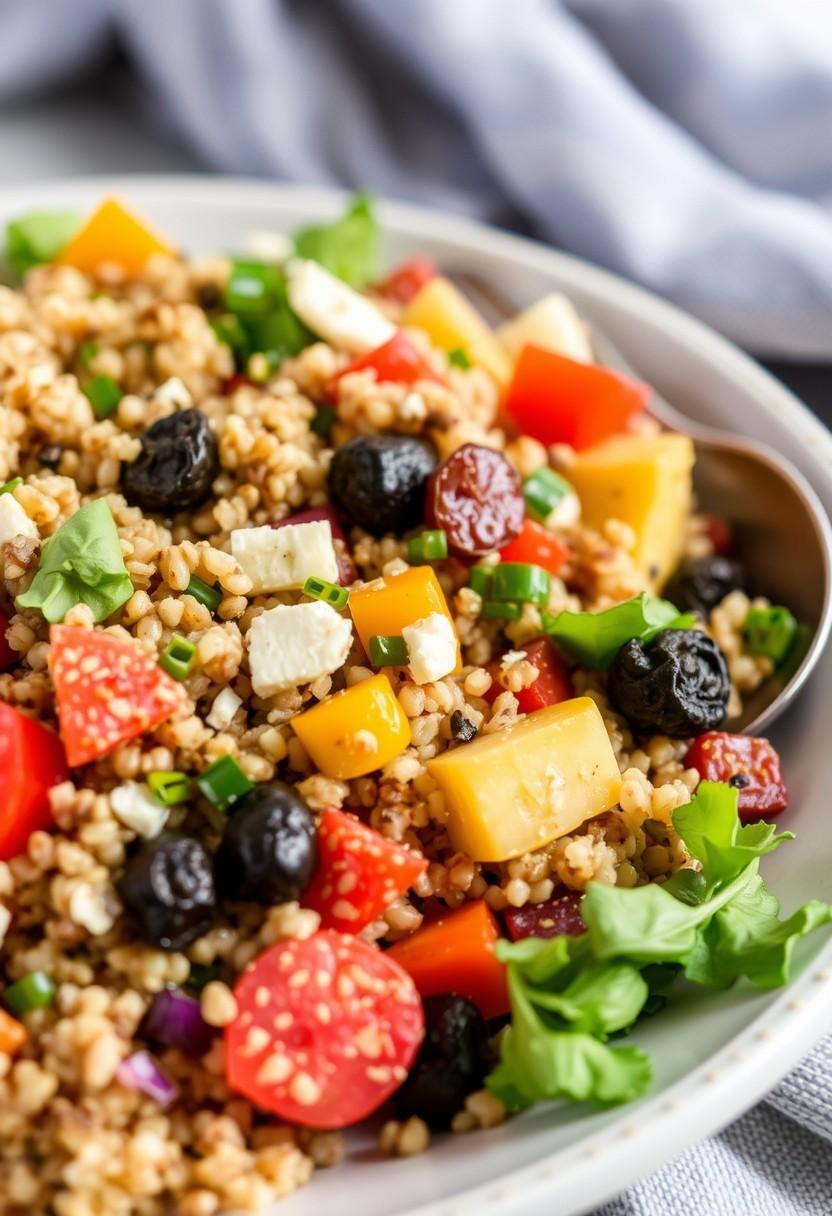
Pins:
x,y
781,531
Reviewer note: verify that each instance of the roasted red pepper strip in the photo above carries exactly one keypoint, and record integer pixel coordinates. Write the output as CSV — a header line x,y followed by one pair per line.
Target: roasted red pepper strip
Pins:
x,y
556,400
551,686
538,547
32,760
397,360
407,279
751,765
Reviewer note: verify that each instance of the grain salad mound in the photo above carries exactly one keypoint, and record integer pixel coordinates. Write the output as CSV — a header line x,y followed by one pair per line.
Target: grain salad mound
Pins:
x,y
263,729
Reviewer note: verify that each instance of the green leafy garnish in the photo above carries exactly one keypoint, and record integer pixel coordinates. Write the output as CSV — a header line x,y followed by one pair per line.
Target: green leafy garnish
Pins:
x,y
259,318
595,638
38,237
348,247
458,357
715,924
81,564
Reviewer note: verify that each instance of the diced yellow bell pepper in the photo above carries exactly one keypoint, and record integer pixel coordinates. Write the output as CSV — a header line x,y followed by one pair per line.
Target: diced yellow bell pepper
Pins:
x,y
356,731
646,482
387,605
519,789
112,234
451,321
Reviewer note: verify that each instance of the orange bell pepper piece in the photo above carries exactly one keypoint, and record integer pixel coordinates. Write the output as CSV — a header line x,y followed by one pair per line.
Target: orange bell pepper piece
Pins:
x,y
12,1034
112,234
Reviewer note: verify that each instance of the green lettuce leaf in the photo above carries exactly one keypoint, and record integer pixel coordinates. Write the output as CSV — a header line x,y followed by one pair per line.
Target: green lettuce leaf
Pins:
x,y
595,638
38,237
710,827
348,247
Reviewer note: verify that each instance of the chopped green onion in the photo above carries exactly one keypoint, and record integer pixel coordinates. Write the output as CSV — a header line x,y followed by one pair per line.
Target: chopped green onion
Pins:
x,y
321,424
479,579
201,974
224,782
170,788
769,632
502,610
520,581
103,394
330,593
178,657
9,487
86,353
459,358
543,491
388,650
252,287
428,546
207,595
32,992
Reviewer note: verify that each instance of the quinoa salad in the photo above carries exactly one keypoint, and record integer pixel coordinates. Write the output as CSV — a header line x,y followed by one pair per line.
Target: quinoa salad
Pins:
x,y
367,678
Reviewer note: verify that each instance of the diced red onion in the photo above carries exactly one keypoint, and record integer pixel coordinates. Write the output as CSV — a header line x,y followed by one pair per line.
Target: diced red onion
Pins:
x,y
561,915
140,1071
176,1020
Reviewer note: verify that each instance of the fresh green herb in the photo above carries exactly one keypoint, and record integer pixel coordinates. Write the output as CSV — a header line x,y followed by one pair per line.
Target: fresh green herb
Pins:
x,y
569,994
81,564
479,579
543,491
103,394
321,424
38,237
178,657
387,650
170,788
9,487
458,357
770,632
224,782
202,974
501,610
595,638
348,247
210,597
86,353
520,581
252,288
430,546
32,992
330,593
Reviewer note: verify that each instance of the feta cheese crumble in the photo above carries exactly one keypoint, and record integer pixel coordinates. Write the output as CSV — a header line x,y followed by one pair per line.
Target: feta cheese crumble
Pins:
x,y
282,559
135,807
14,521
431,648
226,704
293,644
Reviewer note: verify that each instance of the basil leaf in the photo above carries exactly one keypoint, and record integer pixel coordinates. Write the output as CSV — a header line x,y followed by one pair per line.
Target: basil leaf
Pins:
x,y
348,247
710,827
595,638
38,237
81,564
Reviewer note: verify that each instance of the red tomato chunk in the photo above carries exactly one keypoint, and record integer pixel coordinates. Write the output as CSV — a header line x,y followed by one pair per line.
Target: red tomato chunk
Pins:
x,y
396,360
359,873
407,279
538,547
32,760
752,766
552,685
326,1030
557,918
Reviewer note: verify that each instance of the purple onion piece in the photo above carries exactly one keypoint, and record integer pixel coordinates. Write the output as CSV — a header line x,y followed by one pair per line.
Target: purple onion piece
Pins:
x,y
140,1071
561,915
175,1019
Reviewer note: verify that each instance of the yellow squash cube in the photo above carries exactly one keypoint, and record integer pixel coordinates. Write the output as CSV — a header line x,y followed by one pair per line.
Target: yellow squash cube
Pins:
x,y
515,791
451,322
356,731
113,235
387,605
646,482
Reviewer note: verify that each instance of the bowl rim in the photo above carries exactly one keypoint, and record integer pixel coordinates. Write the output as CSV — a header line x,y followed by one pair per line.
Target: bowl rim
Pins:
x,y
714,1093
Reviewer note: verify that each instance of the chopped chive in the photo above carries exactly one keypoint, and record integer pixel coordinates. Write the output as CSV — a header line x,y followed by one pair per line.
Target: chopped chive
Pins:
x,y
207,595
9,487
458,357
387,650
428,546
479,579
32,992
202,974
103,394
86,353
520,581
170,788
321,424
178,657
543,491
769,632
330,593
224,782
502,610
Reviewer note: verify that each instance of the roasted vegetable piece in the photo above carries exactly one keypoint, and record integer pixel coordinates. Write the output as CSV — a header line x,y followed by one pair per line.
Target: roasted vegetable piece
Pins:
x,y
476,498
750,765
451,1063
535,544
386,606
268,851
12,1034
397,360
32,760
379,481
359,873
452,322
176,466
553,683
168,889
326,1053
677,685
701,583
407,279
455,953
112,236
355,731
555,918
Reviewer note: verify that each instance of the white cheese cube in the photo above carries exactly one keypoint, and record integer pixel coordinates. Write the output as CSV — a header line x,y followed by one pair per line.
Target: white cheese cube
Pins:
x,y
14,521
226,704
566,513
551,323
333,310
280,559
431,648
135,807
293,644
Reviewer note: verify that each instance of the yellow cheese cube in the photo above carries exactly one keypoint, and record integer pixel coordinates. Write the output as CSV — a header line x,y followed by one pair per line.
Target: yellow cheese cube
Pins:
x,y
516,791
356,731
113,235
646,482
451,321
388,605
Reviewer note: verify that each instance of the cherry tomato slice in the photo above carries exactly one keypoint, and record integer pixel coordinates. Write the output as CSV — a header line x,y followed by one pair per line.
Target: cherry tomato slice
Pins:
x,y
557,918
751,765
359,873
325,1032
407,279
476,497
552,686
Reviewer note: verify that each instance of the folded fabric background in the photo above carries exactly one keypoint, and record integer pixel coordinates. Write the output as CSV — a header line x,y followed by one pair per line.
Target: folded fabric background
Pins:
x,y
683,143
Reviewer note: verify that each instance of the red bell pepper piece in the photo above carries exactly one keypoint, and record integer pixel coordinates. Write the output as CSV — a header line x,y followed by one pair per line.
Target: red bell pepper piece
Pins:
x,y
557,918
347,572
751,766
359,873
552,686
557,400
8,657
395,360
407,280
32,760
538,547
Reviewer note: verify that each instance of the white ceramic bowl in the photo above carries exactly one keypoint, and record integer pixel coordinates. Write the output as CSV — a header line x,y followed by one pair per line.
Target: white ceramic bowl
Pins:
x,y
715,1053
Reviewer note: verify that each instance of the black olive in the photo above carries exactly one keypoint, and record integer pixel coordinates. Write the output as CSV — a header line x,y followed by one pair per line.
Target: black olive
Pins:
x,y
269,848
701,583
50,455
176,466
679,685
451,1063
168,887
462,728
379,481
